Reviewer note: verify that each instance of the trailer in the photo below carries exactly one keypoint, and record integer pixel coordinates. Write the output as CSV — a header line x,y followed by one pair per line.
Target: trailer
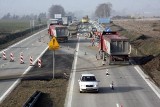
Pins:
x,y
60,32
114,49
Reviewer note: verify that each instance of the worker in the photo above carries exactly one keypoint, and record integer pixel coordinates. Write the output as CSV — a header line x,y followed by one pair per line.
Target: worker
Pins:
x,y
92,41
111,86
107,72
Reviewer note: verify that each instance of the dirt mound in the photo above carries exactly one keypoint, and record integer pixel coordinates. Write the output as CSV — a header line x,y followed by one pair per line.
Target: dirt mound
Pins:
x,y
153,69
145,41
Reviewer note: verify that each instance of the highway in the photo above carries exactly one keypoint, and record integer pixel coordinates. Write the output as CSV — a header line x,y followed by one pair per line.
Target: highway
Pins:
x,y
131,89
34,46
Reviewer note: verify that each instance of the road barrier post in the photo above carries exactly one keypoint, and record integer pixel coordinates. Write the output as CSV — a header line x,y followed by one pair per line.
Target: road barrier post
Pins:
x,y
11,57
4,55
39,63
21,58
31,60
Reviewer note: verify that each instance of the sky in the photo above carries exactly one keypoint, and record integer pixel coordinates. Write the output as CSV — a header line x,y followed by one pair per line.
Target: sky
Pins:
x,y
80,7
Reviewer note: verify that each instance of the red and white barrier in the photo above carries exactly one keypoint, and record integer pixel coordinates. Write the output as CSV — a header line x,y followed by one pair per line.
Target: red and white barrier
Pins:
x,y
4,55
11,57
21,58
39,63
31,60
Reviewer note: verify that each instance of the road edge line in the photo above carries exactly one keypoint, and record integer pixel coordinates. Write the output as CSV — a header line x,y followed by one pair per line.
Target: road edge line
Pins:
x,y
68,99
22,41
141,73
13,86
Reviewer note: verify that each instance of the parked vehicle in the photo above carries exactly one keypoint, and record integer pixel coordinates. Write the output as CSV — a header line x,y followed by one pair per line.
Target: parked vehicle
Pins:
x,y
88,82
114,49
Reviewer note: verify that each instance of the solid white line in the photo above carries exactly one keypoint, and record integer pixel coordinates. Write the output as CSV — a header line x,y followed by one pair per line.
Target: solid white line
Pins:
x,y
22,41
9,90
18,80
147,81
26,71
70,94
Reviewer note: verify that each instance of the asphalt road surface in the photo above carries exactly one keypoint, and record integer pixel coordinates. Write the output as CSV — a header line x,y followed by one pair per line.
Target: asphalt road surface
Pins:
x,y
33,46
131,90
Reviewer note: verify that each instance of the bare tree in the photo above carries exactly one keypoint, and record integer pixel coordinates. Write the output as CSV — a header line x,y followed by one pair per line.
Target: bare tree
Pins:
x,y
103,10
56,9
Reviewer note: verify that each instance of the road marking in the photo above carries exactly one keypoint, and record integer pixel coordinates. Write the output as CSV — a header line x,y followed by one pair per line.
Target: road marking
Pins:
x,y
68,100
9,90
22,41
147,80
26,71
12,87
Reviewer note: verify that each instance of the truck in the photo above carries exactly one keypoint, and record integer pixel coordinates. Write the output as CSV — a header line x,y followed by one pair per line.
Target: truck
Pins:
x,y
59,31
65,20
114,49
52,21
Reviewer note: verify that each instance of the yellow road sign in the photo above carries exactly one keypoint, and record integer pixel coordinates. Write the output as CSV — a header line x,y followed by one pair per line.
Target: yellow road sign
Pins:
x,y
53,44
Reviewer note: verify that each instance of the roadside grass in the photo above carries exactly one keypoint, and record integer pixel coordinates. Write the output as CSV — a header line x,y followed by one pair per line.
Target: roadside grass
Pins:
x,y
12,26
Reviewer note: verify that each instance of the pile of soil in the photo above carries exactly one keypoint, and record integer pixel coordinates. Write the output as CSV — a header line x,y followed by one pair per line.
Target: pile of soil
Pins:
x,y
145,42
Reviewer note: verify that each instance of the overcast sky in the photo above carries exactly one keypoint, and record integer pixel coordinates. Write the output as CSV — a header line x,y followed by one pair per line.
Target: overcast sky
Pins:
x,y
21,7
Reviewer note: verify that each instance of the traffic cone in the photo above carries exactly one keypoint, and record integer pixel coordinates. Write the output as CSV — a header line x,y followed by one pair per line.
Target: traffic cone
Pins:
x,y
4,55
31,61
85,53
21,59
39,63
11,57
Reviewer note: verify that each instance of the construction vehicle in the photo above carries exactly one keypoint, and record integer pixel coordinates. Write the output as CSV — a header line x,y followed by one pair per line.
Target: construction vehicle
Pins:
x,y
59,31
114,49
85,19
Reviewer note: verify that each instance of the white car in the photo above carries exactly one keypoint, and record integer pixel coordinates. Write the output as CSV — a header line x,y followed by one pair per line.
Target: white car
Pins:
x,y
88,82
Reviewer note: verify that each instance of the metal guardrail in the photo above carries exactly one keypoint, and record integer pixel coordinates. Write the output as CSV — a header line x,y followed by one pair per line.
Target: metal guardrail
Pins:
x,y
32,100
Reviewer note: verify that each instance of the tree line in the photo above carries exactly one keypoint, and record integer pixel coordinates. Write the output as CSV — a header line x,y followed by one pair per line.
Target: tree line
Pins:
x,y
102,11
41,16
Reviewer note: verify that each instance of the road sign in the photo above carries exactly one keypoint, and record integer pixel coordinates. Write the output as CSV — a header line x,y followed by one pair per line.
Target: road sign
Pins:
x,y
53,44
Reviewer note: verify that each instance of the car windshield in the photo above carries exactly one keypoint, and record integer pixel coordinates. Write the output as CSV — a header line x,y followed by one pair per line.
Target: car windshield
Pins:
x,y
88,78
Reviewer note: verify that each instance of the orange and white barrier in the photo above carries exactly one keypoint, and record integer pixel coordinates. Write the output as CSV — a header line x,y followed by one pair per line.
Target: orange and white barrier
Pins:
x,y
39,63
11,57
31,60
4,55
21,58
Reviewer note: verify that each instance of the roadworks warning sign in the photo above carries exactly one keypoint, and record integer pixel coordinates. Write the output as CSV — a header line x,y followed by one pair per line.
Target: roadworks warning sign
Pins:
x,y
53,44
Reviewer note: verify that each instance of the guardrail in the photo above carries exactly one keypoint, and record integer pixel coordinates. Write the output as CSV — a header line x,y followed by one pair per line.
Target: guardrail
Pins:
x,y
32,100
